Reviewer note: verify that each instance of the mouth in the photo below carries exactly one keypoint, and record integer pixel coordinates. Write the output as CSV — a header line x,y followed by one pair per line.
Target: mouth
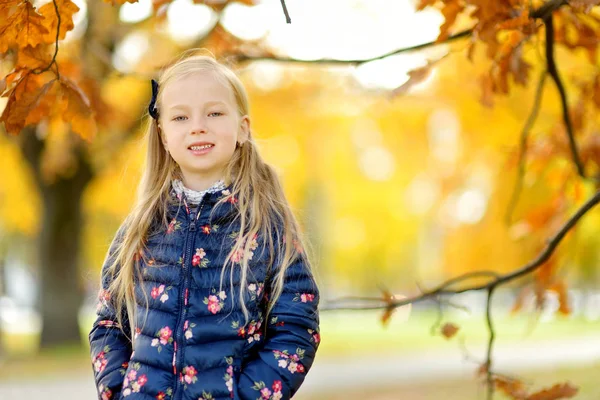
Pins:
x,y
199,149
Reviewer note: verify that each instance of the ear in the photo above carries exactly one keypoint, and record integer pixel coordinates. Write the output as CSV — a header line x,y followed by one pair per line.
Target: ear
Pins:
x,y
162,137
244,133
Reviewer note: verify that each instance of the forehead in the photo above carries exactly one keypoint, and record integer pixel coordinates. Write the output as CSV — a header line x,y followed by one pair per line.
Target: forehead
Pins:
x,y
196,89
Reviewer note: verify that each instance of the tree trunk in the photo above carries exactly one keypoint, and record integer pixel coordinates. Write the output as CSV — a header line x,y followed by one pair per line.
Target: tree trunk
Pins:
x,y
61,291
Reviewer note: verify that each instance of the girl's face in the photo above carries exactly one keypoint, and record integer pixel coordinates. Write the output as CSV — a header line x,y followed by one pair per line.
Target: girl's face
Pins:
x,y
200,126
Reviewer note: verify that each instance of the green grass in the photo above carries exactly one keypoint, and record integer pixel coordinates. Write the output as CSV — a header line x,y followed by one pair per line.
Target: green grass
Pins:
x,y
344,334
352,333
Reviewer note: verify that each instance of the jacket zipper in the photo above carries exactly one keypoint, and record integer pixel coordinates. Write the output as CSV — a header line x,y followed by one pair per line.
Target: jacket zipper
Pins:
x,y
183,298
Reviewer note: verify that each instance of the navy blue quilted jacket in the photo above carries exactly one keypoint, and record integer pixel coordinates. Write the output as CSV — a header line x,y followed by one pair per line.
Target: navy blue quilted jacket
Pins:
x,y
193,344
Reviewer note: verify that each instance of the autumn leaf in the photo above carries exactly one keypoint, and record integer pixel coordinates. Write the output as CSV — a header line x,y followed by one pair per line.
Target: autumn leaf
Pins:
x,y
449,330
388,298
34,58
78,111
560,288
450,11
556,392
21,25
513,388
415,77
66,9
21,100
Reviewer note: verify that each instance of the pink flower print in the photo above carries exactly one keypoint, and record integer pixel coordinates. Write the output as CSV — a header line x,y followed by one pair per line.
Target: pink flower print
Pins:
x,y
254,332
189,375
317,337
132,375
104,295
215,301
265,393
277,387
161,396
187,327
105,393
290,362
100,361
162,337
126,392
229,380
252,287
213,304
172,226
156,291
237,255
137,332
305,297
165,335
142,380
205,229
197,258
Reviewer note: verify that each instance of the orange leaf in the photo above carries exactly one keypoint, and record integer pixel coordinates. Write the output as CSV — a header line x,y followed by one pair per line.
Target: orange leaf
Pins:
x,y
560,288
33,58
415,77
21,100
558,391
21,25
450,10
513,388
66,9
78,111
515,23
449,330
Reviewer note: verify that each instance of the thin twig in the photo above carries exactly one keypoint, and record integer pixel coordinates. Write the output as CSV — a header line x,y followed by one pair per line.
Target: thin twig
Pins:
x,y
53,61
460,35
553,71
492,337
285,11
523,147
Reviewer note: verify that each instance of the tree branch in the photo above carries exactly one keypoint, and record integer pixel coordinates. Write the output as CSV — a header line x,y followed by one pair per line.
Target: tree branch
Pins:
x,y
460,35
498,280
53,61
285,11
553,71
523,147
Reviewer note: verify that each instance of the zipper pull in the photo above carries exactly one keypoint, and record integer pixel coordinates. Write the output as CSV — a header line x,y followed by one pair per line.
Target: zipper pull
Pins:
x,y
192,222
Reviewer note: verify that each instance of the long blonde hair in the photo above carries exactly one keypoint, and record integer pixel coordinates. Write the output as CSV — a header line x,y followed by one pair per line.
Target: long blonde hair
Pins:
x,y
264,211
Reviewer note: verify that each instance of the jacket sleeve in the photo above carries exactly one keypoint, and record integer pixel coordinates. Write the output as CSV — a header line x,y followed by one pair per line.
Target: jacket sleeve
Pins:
x,y
291,340
110,349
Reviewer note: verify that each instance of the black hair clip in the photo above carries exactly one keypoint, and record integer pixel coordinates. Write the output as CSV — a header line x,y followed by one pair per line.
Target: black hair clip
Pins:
x,y
152,107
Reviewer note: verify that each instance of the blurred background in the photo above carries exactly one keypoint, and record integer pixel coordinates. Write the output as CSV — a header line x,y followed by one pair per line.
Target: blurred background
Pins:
x,y
397,190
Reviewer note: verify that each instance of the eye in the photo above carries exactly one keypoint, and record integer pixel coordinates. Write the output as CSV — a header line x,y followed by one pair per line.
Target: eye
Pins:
x,y
215,113
177,118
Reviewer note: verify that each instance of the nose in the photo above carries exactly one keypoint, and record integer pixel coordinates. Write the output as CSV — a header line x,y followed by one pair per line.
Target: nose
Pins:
x,y
199,126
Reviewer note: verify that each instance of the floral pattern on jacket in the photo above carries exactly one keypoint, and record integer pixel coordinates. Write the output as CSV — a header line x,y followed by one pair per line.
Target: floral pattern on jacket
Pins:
x,y
194,343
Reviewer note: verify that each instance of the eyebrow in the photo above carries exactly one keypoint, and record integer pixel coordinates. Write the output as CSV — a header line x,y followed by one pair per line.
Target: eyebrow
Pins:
x,y
207,104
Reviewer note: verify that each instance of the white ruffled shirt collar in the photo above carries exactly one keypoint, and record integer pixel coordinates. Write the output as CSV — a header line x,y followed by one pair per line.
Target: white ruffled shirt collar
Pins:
x,y
195,196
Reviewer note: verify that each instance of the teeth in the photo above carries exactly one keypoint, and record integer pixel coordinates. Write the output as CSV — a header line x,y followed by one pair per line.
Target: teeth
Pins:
x,y
206,146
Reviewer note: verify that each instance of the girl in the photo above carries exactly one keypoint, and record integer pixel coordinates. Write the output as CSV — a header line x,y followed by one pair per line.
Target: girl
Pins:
x,y
206,290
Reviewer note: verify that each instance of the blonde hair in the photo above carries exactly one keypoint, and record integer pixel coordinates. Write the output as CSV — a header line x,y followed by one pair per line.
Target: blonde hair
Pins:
x,y
262,205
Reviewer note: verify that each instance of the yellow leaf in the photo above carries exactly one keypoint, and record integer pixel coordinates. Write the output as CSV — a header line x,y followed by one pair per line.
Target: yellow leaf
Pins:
x,y
66,9
78,111
21,25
